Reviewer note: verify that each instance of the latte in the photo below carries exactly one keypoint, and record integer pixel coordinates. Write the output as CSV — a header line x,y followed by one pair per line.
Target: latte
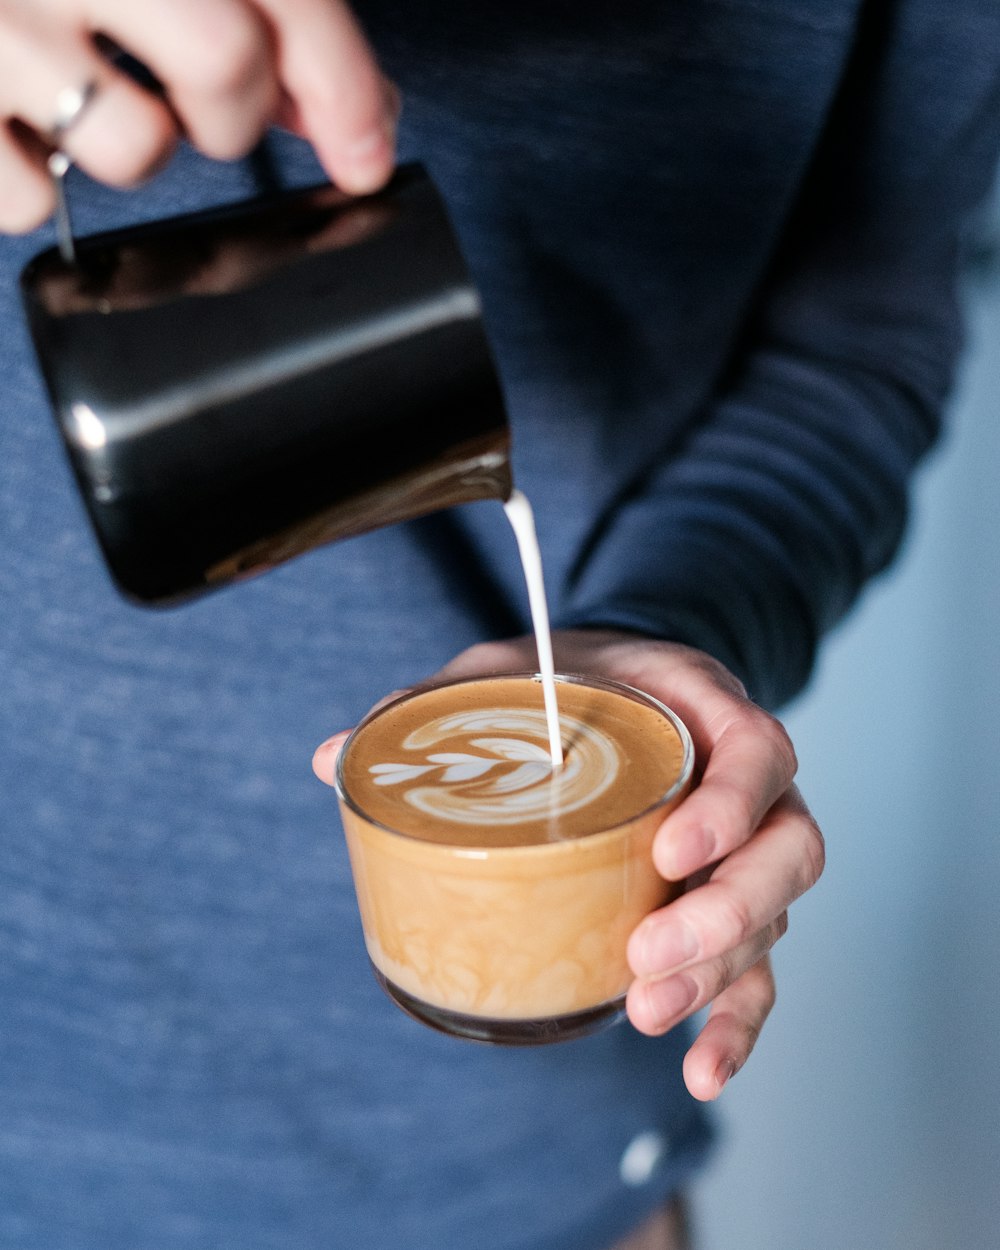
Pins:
x,y
496,893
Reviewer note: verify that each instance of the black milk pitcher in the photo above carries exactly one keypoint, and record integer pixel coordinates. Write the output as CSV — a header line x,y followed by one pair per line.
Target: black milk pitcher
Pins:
x,y
238,386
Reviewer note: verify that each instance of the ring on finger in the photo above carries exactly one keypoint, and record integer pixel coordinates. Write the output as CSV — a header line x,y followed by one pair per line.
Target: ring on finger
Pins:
x,y
71,105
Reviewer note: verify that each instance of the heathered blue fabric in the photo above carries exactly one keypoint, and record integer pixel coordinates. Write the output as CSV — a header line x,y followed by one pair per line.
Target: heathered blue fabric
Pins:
x,y
716,242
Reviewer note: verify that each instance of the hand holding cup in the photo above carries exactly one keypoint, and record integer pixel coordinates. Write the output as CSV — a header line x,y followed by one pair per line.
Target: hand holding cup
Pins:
x,y
743,843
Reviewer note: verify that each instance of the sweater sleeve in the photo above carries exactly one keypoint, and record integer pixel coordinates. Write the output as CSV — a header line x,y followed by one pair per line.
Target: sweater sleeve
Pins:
x,y
790,490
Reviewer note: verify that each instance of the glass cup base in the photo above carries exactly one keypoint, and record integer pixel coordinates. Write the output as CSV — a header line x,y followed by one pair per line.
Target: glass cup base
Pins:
x,y
505,1032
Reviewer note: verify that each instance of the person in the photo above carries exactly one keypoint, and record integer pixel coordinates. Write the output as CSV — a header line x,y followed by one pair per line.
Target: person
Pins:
x,y
717,245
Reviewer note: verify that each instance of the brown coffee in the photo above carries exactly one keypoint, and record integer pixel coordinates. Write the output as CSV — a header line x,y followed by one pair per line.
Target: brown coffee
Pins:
x,y
497,894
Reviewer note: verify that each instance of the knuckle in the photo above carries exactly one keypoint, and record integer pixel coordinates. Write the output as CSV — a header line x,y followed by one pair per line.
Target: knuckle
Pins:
x,y
724,973
717,673
733,923
765,989
779,742
814,846
489,652
768,997
744,1030
494,657
736,816
227,63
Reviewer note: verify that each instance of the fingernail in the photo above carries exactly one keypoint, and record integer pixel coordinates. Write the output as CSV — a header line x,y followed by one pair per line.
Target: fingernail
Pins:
x,y
724,1073
669,999
666,946
369,159
370,147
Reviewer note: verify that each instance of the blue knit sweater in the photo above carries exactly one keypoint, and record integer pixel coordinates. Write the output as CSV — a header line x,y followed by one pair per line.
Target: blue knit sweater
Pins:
x,y
717,244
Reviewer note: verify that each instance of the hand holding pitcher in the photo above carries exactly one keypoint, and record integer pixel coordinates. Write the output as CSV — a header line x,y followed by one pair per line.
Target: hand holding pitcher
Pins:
x,y
227,69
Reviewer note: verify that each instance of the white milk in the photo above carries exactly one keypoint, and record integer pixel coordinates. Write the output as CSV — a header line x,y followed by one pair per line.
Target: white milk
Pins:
x,y
522,520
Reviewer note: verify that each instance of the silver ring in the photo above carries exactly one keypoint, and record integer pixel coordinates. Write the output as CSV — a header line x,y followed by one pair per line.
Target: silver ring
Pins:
x,y
71,104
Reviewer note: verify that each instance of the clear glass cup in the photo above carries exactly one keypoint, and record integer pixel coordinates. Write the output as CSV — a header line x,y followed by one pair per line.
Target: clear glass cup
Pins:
x,y
516,944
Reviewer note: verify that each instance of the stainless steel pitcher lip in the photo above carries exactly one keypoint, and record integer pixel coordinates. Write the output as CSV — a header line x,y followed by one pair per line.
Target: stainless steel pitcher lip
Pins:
x,y
479,470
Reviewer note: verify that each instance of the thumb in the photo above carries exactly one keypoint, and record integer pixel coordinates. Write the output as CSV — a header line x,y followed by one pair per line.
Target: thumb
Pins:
x,y
324,761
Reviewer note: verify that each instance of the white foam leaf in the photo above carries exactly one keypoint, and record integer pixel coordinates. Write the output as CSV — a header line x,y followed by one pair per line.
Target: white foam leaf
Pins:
x,y
392,774
456,757
466,772
515,749
532,774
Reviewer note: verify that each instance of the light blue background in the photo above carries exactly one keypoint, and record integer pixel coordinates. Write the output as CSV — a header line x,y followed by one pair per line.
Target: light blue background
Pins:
x,y
869,1116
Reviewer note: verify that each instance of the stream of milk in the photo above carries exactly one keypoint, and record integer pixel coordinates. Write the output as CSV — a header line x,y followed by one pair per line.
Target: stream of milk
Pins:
x,y
522,520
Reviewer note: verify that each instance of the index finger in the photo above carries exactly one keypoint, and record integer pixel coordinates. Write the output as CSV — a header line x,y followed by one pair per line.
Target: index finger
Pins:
x,y
213,58
751,763
342,102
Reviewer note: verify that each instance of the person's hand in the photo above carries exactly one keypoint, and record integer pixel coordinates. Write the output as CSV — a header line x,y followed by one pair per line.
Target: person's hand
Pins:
x,y
743,840
228,68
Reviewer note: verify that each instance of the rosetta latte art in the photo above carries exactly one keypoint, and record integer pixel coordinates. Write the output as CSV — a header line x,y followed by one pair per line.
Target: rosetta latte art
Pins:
x,y
501,773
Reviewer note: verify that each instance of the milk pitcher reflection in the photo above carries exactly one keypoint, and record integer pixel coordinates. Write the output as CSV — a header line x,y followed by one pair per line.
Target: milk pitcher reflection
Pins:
x,y
238,386
496,893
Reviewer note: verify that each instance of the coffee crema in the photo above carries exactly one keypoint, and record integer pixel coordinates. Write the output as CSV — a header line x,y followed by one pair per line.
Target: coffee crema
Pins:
x,y
468,764
497,895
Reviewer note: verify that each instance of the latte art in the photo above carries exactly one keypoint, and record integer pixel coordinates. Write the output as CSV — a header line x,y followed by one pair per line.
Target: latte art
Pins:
x,y
497,894
499,779
469,764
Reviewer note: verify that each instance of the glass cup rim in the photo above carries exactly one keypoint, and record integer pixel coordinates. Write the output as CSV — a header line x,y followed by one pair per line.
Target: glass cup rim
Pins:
x,y
578,679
